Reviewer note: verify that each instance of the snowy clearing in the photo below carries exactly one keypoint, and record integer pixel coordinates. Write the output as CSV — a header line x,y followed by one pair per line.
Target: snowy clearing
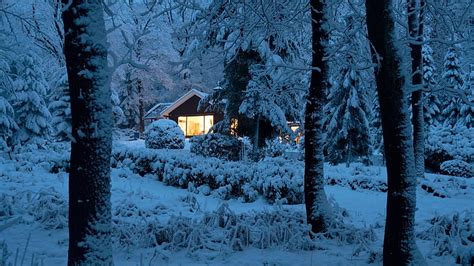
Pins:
x,y
34,208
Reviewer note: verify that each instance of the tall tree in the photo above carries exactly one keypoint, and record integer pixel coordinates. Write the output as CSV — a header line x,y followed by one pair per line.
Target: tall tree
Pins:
x,y
453,77
263,56
347,123
399,241
415,31
318,210
432,105
85,49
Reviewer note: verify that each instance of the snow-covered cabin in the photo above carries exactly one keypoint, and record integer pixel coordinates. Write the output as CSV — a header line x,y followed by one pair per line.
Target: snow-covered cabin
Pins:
x,y
185,113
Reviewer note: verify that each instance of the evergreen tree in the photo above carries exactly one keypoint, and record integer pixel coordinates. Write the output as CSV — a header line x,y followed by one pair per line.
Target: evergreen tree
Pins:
x,y
7,116
119,116
453,78
432,104
348,124
7,124
260,92
129,98
376,125
31,113
467,110
60,108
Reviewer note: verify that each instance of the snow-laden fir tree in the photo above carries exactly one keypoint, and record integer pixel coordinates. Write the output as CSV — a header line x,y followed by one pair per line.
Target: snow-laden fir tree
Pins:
x,y
7,124
453,79
376,125
432,104
7,116
467,110
31,113
128,94
258,90
119,116
60,108
347,126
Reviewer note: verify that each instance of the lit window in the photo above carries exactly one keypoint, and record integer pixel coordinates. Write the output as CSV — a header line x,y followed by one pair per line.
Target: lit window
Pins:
x,y
182,123
195,125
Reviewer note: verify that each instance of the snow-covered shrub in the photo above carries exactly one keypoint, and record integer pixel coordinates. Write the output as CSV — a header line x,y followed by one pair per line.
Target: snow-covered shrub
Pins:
x,y
446,143
457,168
286,180
164,134
452,235
279,147
50,209
52,157
6,206
274,148
445,186
217,145
356,177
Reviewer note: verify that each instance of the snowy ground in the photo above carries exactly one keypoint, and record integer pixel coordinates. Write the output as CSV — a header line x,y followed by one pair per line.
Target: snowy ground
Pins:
x,y
28,235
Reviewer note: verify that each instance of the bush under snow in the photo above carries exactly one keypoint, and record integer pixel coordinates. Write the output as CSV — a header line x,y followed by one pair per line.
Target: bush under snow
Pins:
x,y
457,168
448,143
452,235
217,145
164,134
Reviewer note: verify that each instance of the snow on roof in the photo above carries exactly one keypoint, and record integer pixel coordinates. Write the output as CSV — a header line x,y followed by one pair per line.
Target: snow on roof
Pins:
x,y
157,109
181,100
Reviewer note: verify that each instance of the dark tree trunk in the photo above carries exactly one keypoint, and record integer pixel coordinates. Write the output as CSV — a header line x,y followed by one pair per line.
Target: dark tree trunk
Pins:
x,y
85,49
415,28
399,242
140,91
141,107
317,206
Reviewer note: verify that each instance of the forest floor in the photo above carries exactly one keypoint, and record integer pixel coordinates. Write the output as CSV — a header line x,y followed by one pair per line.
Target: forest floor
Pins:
x,y
33,222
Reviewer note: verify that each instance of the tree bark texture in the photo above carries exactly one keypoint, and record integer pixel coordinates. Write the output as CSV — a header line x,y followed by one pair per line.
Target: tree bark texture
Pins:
x,y
399,241
415,28
317,206
85,49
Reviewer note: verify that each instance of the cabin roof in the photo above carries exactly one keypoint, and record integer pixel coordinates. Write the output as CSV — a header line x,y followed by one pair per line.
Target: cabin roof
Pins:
x,y
164,109
181,100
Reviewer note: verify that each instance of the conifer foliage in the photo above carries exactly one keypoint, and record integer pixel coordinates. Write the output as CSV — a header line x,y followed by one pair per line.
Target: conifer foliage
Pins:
x,y
348,124
60,108
453,79
7,115
31,113
7,124
432,104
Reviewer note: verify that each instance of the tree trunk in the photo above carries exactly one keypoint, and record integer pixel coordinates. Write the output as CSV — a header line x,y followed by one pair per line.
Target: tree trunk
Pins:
x,y
85,49
399,241
141,108
415,28
317,207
